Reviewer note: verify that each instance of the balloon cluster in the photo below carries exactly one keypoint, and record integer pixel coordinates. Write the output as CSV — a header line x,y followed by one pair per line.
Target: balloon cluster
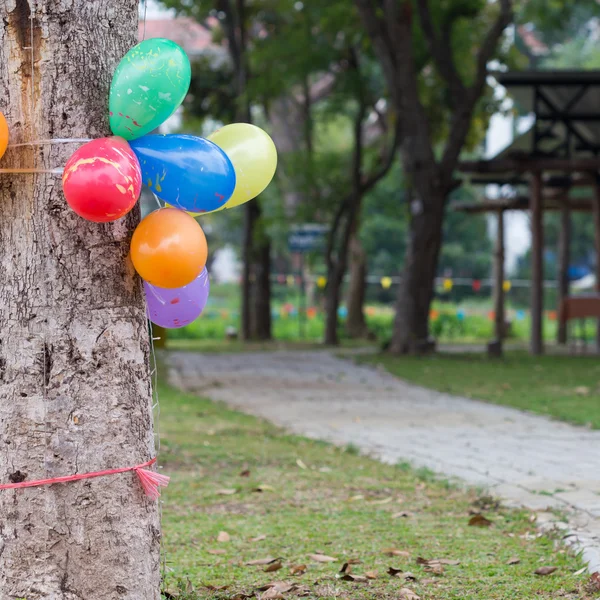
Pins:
x,y
103,179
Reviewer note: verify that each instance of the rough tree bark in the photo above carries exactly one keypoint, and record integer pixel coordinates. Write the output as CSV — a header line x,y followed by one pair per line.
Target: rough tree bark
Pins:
x,y
75,391
390,25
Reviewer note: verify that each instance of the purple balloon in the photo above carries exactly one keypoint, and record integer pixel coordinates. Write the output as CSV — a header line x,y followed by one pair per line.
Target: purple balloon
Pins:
x,y
177,307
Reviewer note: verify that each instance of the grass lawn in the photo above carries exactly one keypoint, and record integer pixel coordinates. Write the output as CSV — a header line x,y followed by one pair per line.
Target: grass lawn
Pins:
x,y
242,490
563,387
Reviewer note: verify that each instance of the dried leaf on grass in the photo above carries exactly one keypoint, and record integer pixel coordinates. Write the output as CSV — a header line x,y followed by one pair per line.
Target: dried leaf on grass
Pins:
x,y
263,487
300,464
395,552
593,584
346,568
322,558
545,570
216,551
406,594
215,588
400,574
351,577
223,536
437,561
226,491
258,538
515,560
479,520
402,515
371,574
383,501
274,567
245,473
271,594
262,561
280,586
298,570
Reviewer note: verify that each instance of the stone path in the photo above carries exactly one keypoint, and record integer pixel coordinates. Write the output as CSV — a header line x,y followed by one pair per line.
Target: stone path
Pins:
x,y
527,460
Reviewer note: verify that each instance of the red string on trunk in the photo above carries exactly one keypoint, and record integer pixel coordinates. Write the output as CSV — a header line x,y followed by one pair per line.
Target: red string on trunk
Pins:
x,y
149,480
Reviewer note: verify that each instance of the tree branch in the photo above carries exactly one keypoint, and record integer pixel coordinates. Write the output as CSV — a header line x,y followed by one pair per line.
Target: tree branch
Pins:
x,y
440,49
461,119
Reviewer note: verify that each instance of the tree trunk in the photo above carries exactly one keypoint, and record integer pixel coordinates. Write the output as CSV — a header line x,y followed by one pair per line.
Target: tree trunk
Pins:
x,y
262,291
74,344
356,326
332,302
411,325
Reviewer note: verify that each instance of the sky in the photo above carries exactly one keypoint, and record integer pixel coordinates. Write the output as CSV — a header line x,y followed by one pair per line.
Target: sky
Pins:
x,y
154,10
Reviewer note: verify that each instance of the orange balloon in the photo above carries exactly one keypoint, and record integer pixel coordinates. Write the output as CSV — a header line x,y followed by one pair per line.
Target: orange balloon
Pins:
x,y
168,248
3,135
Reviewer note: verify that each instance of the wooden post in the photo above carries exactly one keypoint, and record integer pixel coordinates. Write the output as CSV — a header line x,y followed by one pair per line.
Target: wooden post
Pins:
x,y
564,244
537,265
499,326
596,214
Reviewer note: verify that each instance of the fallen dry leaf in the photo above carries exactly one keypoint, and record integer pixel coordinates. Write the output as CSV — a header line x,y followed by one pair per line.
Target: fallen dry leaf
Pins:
x,y
216,551
300,464
262,561
395,552
350,577
322,558
582,390
264,488
513,561
274,567
215,588
404,514
448,561
258,538
434,568
226,492
356,498
406,594
383,501
245,473
545,570
271,594
429,581
346,568
223,537
479,520
298,570
371,575
581,571
593,584
394,572
280,586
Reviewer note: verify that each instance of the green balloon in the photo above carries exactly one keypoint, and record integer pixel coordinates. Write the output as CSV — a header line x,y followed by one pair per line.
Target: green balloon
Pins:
x,y
149,84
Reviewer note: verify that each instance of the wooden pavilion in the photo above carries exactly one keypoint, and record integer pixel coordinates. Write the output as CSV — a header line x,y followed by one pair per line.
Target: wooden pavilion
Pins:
x,y
540,171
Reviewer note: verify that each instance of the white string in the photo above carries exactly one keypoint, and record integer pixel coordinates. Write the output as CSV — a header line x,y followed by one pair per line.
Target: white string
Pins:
x,y
55,171
53,141
145,12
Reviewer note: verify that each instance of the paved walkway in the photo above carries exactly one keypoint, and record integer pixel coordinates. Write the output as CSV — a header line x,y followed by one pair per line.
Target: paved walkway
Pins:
x,y
528,460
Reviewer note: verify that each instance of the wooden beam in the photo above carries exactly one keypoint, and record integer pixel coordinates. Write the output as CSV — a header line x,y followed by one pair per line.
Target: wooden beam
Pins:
x,y
564,246
526,163
596,216
537,265
499,320
523,203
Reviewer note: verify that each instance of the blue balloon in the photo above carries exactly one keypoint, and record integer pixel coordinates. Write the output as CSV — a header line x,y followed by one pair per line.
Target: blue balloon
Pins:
x,y
184,171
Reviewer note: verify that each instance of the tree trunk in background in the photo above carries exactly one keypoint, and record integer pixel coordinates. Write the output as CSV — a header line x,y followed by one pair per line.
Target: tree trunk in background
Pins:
x,y
335,275
411,325
356,326
74,348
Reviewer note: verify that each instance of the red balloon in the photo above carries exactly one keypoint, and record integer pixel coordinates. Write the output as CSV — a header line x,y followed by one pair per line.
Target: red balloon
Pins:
x,y
102,180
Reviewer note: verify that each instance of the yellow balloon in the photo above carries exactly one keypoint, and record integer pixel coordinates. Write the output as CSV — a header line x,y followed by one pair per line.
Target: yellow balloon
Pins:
x,y
254,158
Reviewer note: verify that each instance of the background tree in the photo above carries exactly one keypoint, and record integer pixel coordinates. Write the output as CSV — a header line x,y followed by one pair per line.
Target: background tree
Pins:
x,y
74,347
398,29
